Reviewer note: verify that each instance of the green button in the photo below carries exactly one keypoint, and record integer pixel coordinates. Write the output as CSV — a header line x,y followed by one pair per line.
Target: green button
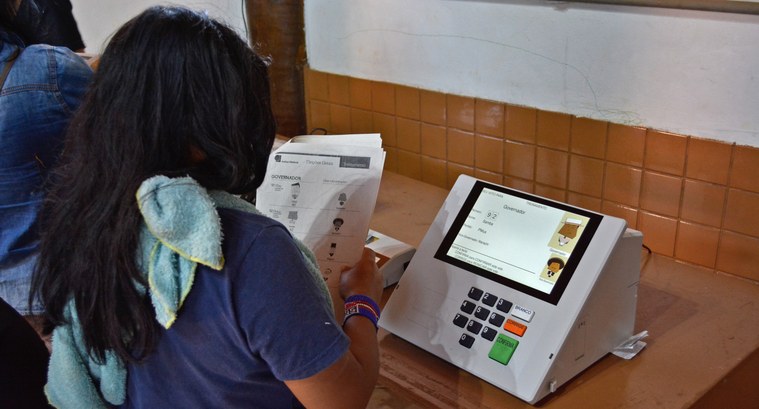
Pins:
x,y
503,349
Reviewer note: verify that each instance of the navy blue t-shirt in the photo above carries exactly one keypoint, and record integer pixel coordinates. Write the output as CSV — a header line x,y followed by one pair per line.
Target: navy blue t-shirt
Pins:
x,y
243,330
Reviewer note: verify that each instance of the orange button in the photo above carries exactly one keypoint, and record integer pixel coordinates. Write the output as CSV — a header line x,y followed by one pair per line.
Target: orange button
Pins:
x,y
515,327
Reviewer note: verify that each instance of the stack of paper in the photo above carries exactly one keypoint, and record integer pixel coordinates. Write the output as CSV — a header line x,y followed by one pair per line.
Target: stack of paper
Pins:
x,y
323,188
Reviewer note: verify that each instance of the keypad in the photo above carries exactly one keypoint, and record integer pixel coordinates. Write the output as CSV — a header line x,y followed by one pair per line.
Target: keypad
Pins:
x,y
478,320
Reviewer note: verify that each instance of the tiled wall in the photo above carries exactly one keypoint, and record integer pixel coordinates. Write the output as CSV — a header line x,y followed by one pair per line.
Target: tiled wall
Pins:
x,y
694,199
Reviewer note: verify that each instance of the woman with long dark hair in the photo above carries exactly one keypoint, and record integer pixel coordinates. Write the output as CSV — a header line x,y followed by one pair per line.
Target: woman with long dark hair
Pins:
x,y
165,287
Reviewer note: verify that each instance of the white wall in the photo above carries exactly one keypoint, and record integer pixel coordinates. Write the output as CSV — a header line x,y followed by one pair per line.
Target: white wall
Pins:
x,y
99,19
684,71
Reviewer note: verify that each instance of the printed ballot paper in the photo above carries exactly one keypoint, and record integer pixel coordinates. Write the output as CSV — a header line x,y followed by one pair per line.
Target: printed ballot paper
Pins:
x,y
323,188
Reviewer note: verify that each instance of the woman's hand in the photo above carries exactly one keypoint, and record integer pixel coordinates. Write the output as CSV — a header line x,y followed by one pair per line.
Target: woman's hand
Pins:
x,y
363,278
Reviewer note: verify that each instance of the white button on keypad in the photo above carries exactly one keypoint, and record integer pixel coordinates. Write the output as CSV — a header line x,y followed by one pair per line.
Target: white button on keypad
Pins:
x,y
524,314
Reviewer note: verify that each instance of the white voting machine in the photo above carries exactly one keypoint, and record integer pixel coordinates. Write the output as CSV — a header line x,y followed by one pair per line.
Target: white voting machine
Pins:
x,y
521,291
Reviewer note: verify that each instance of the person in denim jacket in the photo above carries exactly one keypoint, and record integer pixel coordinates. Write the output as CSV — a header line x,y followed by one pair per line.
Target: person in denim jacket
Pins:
x,y
38,98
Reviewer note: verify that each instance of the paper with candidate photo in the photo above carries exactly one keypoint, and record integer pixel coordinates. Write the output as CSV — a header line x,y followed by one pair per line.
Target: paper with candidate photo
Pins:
x,y
323,189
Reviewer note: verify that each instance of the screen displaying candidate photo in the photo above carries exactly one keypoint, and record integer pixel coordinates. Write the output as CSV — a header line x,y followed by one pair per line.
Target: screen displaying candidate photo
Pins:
x,y
520,240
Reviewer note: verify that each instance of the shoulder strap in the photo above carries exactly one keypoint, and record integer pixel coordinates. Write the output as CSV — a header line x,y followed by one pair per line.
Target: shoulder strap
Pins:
x,y
7,67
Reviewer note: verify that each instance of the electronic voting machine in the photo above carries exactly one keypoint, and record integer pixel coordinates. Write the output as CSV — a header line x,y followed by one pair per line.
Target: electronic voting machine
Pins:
x,y
521,291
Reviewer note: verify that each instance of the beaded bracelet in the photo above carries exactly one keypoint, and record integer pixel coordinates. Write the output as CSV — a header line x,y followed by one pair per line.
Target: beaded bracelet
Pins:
x,y
363,306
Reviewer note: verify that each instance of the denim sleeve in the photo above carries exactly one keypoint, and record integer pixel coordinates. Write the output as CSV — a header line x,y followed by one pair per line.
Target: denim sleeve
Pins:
x,y
73,76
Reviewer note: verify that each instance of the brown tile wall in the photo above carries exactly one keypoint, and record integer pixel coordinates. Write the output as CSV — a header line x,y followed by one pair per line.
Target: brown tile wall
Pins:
x,y
694,199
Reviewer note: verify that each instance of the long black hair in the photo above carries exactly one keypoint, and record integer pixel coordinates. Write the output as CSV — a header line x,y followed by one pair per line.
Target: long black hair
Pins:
x,y
175,93
7,11
7,15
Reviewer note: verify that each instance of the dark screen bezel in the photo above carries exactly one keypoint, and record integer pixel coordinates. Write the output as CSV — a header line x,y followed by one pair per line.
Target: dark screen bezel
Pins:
x,y
594,220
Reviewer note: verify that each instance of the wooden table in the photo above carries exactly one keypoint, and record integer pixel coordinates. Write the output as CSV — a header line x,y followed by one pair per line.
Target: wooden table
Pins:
x,y
703,344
